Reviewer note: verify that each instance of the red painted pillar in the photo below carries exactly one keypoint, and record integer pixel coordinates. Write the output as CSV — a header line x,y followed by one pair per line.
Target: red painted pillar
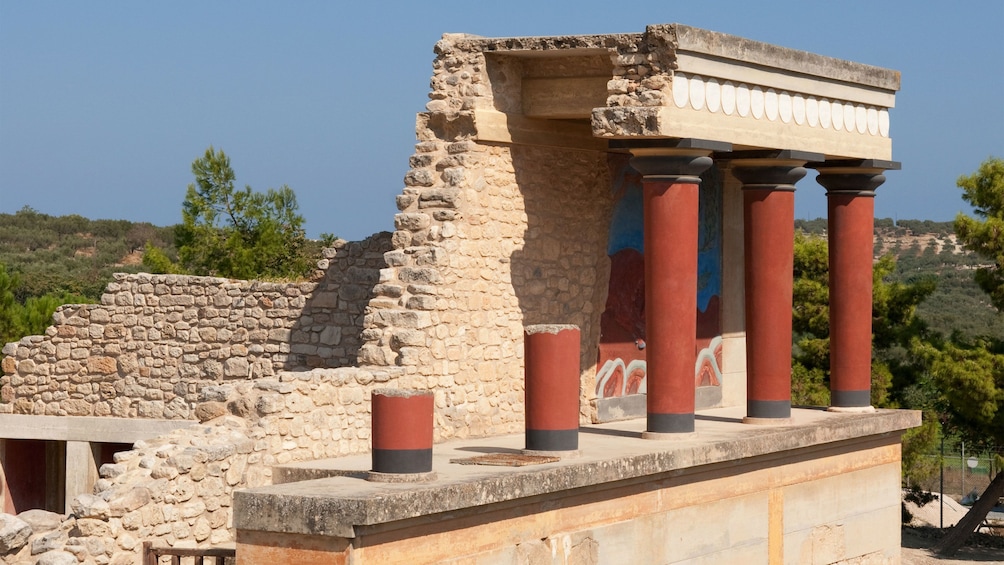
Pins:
x,y
402,432
850,224
670,182
768,233
551,387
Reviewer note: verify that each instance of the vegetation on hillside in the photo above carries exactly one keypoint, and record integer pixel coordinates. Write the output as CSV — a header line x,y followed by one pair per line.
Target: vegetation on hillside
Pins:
x,y
55,255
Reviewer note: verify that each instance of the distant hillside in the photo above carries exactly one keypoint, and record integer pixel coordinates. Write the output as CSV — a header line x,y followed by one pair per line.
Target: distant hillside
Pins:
x,y
56,254
930,249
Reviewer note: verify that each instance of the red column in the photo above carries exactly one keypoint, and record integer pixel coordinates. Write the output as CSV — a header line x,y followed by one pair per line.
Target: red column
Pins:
x,y
850,224
768,234
551,387
670,182
401,433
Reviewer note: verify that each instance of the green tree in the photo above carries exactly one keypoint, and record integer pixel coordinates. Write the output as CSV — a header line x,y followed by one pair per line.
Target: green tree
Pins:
x,y
984,189
238,233
894,324
31,317
895,373
970,373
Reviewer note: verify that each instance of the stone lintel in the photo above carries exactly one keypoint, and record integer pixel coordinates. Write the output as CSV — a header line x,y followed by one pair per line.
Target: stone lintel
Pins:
x,y
862,164
670,143
713,44
85,428
771,155
611,455
692,41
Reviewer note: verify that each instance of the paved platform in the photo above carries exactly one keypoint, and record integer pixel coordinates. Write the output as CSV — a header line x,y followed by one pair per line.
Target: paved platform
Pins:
x,y
331,497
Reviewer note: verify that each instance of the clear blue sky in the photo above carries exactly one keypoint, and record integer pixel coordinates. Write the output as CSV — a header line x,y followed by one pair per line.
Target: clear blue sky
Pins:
x,y
104,105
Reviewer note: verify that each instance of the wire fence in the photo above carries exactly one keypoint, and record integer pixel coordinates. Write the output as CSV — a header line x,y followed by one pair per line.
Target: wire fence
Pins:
x,y
964,472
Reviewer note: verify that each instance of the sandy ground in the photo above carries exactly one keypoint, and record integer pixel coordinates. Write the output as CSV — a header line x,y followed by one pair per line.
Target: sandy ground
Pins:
x,y
917,541
923,532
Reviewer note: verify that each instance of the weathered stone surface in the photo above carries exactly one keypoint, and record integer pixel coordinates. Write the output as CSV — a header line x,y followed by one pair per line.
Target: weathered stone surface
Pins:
x,y
48,542
92,527
57,558
14,533
128,501
209,410
41,521
89,506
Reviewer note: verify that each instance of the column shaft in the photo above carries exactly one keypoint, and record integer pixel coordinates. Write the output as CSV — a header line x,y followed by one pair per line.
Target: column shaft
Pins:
x,y
671,185
850,225
671,212
768,237
850,199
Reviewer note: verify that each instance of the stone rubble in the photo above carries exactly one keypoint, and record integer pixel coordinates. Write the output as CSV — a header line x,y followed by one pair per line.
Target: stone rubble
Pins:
x,y
176,490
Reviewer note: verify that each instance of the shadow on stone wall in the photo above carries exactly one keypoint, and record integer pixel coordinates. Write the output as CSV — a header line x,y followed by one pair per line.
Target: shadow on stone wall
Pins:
x,y
560,275
329,332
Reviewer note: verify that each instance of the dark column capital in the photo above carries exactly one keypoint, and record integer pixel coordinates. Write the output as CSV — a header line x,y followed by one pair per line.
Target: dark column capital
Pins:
x,y
859,177
768,174
670,164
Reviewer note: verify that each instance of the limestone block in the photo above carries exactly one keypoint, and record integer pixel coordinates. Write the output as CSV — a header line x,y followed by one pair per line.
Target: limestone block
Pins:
x,y
419,275
210,410
14,533
412,221
101,365
89,506
91,527
236,367
51,541
419,177
58,558
41,521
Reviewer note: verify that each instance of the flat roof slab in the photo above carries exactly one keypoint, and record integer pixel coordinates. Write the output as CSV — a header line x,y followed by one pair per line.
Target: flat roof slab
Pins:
x,y
609,453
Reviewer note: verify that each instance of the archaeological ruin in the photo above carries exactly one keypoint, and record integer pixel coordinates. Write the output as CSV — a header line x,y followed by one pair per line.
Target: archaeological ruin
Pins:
x,y
638,187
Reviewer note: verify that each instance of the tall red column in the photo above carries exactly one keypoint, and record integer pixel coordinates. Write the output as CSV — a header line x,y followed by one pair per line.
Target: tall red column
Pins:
x,y
768,233
850,194
671,181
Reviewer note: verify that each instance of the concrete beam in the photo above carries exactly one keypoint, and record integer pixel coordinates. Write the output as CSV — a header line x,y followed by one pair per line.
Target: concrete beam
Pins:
x,y
85,428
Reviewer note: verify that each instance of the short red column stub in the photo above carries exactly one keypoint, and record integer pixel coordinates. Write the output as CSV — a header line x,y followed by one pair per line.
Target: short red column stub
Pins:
x,y
402,423
402,419
551,388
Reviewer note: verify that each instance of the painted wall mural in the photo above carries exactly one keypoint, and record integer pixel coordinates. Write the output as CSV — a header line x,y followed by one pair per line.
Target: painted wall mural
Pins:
x,y
622,341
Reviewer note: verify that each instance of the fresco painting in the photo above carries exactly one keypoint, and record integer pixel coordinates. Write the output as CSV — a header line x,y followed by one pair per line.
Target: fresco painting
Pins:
x,y
621,362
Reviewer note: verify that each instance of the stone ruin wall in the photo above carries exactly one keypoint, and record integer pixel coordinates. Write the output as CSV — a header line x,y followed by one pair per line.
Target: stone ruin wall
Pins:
x,y
490,238
177,490
155,341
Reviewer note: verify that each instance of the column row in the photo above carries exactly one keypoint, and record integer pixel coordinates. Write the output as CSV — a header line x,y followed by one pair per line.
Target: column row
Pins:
x,y
671,180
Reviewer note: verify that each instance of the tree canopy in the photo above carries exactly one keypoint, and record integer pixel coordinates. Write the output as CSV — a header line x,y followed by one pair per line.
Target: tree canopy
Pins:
x,y
235,233
984,189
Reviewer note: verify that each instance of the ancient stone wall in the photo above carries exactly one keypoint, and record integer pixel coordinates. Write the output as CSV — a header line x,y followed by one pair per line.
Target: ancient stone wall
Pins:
x,y
177,490
155,341
490,237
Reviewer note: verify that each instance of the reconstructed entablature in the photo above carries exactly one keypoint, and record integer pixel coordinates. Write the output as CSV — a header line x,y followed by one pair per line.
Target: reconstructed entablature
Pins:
x,y
676,81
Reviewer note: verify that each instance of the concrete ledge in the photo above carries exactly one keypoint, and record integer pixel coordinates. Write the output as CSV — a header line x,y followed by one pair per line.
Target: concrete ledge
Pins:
x,y
85,428
611,454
